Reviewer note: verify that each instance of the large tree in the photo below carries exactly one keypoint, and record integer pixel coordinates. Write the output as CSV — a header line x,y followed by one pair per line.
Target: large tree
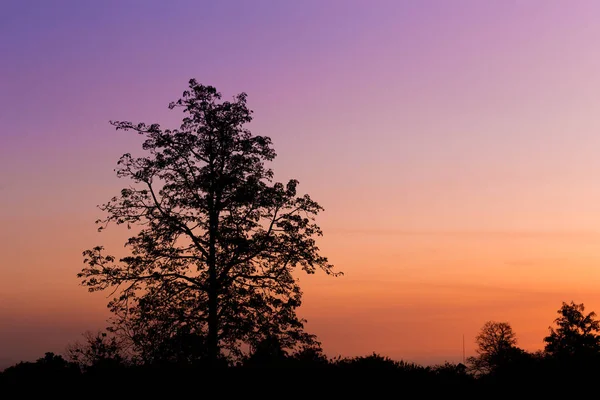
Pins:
x,y
217,240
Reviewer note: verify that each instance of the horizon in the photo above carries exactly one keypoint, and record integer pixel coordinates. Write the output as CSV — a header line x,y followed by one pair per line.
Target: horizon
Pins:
x,y
453,146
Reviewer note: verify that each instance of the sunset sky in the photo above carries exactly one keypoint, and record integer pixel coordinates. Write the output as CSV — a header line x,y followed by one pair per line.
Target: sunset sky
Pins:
x,y
454,145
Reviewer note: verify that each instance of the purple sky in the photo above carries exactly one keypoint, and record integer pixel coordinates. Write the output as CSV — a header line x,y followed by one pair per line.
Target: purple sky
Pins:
x,y
454,145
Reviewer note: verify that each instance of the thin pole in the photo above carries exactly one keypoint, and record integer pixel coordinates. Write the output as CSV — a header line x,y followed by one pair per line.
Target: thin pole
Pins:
x,y
464,348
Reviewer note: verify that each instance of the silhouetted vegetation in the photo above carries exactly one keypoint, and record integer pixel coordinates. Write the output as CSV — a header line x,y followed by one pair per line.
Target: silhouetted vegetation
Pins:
x,y
209,280
210,273
496,347
571,356
99,351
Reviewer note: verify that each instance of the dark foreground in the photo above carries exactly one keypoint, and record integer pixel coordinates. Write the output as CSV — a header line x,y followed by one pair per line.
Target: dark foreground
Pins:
x,y
373,377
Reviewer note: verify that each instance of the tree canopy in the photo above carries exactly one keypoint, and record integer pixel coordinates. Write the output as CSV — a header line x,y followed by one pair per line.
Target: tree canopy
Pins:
x,y
218,240
495,346
576,333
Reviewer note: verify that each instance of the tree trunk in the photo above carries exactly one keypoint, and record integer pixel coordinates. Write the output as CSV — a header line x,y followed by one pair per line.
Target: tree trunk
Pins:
x,y
213,293
213,325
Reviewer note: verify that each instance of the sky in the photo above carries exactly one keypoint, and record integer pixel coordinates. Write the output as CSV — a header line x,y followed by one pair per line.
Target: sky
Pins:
x,y
453,144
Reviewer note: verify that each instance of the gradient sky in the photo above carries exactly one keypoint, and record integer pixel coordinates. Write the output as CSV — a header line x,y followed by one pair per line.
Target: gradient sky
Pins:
x,y
453,144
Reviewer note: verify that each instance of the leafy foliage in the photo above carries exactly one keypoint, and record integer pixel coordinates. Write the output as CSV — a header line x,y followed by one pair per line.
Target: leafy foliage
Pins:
x,y
218,241
52,367
514,371
98,351
375,361
576,333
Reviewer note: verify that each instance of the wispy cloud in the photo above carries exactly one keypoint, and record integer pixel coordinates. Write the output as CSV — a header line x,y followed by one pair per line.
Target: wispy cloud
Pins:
x,y
467,233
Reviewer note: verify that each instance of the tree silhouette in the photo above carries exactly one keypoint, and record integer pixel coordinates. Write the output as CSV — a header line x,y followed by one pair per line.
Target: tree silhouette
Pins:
x,y
451,374
98,351
218,241
52,367
495,347
576,334
267,352
373,360
182,348
309,356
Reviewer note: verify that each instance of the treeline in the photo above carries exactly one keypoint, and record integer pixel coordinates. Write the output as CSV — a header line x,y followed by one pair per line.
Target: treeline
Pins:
x,y
209,282
571,355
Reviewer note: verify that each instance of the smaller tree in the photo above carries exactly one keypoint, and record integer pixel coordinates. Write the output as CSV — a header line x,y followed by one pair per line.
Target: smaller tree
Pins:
x,y
496,346
268,352
99,351
373,361
51,366
576,334
310,356
449,372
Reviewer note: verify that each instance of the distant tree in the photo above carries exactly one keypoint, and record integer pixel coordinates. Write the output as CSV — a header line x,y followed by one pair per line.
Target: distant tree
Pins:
x,y
451,373
374,360
218,241
496,345
267,352
576,333
52,367
309,356
98,351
